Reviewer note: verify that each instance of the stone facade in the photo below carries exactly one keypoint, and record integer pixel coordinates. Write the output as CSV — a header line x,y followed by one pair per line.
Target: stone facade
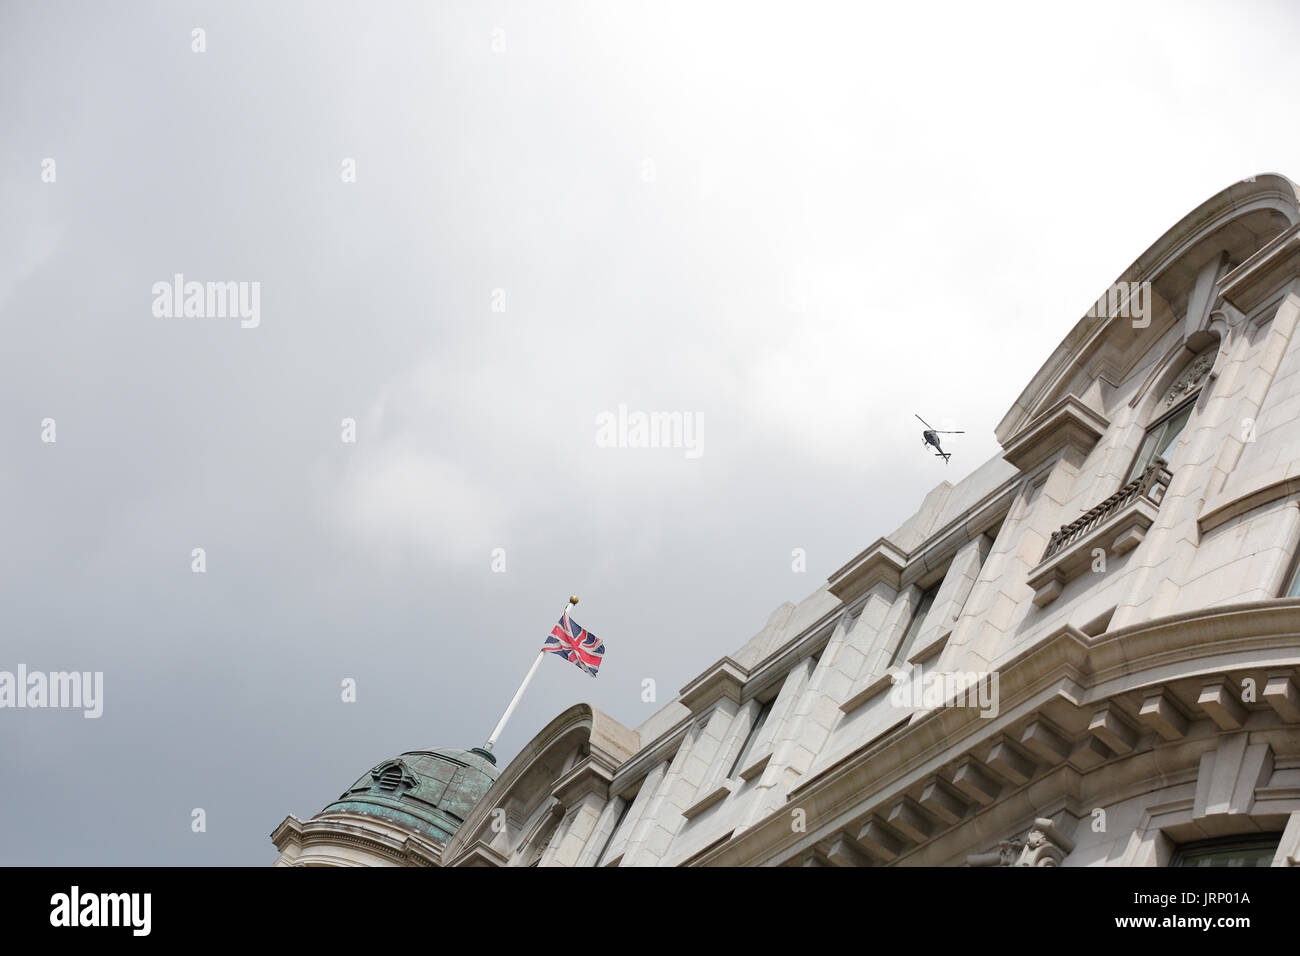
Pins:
x,y
1082,654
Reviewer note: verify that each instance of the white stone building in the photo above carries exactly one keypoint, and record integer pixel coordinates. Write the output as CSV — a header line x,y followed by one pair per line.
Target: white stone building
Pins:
x,y
1085,653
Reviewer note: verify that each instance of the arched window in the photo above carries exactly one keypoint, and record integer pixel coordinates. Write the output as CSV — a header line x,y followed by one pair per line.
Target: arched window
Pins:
x,y
1162,438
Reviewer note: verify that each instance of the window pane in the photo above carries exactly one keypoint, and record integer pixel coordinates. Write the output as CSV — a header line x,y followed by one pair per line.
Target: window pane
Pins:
x,y
1161,440
622,815
1173,431
1248,851
914,626
1145,455
1293,589
750,738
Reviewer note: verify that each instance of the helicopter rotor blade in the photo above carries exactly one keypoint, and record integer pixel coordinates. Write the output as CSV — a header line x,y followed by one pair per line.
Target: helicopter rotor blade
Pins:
x,y
923,422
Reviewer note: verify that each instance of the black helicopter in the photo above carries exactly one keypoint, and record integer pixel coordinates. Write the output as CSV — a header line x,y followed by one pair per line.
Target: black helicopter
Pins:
x,y
931,437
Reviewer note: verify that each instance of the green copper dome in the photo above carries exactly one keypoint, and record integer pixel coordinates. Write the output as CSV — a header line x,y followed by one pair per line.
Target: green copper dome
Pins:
x,y
429,792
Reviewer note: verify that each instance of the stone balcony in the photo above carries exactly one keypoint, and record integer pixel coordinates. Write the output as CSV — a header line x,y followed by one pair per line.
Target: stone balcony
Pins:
x,y
1116,525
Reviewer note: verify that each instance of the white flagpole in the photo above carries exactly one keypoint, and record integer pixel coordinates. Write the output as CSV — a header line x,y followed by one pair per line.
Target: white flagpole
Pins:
x,y
501,725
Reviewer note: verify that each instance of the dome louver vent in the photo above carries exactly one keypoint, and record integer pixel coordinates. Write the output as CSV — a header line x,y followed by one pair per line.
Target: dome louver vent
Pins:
x,y
392,776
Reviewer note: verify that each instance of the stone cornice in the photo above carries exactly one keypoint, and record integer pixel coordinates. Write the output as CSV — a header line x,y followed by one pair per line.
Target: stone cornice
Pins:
x,y
663,747
588,776
480,854
935,552
288,833
1257,635
726,679
357,830
1069,424
1259,194
881,563
1265,272
940,547
1246,494
1067,664
884,562
775,666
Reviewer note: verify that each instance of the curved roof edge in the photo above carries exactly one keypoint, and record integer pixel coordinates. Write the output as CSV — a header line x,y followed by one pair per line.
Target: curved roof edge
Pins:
x,y
592,734
1265,191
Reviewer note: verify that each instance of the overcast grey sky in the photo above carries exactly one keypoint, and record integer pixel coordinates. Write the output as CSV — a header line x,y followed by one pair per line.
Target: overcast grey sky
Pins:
x,y
802,223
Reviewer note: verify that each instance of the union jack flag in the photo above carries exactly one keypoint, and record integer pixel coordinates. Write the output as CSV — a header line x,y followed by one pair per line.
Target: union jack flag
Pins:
x,y
575,644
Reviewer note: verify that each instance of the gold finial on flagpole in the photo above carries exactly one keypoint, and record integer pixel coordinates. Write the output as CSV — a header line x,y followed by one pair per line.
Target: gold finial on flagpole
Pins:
x,y
573,599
